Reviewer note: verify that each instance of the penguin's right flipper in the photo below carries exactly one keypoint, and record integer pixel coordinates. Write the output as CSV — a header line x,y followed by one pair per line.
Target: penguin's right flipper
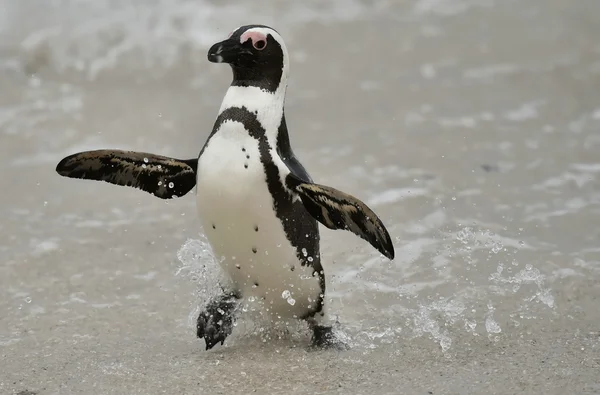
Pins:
x,y
339,210
159,175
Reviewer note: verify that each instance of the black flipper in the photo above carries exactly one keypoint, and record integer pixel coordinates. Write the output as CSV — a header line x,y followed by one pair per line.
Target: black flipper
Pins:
x,y
159,175
284,149
338,210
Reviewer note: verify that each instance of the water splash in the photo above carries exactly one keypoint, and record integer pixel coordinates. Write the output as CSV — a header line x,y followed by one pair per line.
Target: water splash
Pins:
x,y
528,275
448,311
491,326
199,264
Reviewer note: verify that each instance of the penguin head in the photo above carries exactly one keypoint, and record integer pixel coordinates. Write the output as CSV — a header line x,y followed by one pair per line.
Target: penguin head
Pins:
x,y
256,54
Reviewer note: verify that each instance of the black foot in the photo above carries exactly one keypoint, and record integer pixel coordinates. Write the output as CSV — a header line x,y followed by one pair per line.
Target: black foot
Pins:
x,y
216,322
323,337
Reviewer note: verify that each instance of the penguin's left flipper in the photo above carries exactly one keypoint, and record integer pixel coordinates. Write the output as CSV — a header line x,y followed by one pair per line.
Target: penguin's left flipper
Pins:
x,y
338,210
161,176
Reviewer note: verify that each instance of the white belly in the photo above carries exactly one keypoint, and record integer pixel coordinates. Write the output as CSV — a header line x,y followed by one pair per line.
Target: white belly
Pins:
x,y
236,212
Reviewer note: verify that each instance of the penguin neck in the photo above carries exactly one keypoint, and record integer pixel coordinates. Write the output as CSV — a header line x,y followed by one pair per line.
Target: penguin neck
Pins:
x,y
266,104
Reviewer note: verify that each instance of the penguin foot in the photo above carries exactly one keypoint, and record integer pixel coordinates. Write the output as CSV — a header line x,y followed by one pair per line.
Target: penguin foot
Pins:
x,y
215,323
324,338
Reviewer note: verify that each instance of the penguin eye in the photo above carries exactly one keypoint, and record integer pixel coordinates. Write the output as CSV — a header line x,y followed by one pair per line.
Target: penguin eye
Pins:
x,y
259,44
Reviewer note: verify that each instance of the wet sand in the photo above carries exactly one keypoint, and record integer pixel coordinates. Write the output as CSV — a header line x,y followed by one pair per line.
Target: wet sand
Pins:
x,y
471,127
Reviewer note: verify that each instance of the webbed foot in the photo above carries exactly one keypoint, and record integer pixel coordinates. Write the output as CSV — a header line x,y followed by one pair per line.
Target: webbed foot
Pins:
x,y
215,323
323,337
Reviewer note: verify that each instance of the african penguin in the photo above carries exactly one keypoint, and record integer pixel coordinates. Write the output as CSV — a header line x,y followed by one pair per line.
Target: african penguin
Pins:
x,y
256,202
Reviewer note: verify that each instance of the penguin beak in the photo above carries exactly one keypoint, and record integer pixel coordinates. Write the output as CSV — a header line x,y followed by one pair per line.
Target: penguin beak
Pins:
x,y
225,51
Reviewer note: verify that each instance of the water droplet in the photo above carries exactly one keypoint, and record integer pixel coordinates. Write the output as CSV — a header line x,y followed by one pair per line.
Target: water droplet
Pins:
x,y
285,294
497,247
471,324
310,259
521,243
491,325
159,167
453,197
45,203
291,301
171,185
28,300
445,343
304,252
143,166
528,267
146,160
159,183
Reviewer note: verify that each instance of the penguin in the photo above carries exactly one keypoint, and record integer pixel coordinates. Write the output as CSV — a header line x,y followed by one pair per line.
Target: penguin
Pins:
x,y
257,204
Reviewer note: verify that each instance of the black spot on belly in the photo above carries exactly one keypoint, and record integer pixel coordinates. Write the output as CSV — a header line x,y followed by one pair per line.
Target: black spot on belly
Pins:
x,y
245,166
243,149
293,268
214,227
255,284
254,250
256,228
238,266
247,156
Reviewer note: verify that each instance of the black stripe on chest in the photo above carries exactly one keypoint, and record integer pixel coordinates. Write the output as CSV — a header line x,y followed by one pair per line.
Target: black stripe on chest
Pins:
x,y
300,228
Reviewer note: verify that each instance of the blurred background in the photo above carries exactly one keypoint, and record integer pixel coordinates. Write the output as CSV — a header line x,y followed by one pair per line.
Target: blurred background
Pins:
x,y
470,126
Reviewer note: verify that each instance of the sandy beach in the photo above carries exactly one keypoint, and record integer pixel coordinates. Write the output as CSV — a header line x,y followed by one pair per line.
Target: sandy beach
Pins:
x,y
472,127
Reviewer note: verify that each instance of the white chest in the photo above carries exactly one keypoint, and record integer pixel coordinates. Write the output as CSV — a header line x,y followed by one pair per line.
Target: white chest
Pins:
x,y
237,214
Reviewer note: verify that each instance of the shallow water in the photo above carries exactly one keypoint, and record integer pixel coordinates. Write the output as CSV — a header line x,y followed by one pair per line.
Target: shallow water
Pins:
x,y
470,126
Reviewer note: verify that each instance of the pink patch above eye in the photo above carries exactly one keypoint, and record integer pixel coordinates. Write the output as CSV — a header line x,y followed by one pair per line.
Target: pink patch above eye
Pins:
x,y
254,36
